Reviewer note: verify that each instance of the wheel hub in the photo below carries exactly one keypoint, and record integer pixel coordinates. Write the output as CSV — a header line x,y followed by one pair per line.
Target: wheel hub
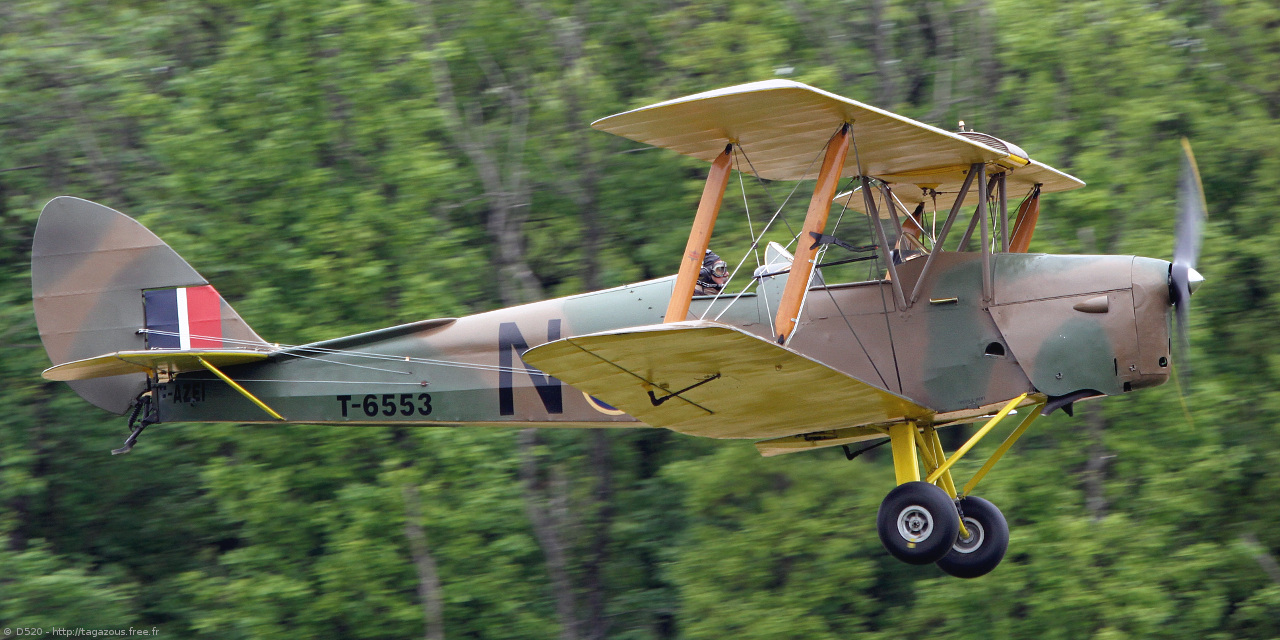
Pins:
x,y
973,541
915,524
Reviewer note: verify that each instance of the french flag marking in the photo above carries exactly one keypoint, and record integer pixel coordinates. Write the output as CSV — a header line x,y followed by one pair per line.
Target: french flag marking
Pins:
x,y
184,318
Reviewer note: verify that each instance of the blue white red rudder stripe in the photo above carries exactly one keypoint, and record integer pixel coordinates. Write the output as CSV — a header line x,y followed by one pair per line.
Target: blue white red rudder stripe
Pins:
x,y
184,318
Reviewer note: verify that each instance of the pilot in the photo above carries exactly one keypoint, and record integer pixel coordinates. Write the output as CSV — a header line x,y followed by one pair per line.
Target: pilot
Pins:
x,y
713,275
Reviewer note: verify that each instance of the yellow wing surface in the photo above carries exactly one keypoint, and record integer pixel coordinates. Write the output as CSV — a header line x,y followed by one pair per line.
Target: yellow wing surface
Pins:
x,y
782,126
945,187
713,380
168,361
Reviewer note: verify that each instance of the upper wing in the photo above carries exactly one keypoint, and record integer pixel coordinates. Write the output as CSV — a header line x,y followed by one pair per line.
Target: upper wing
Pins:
x,y
782,127
945,184
151,361
713,380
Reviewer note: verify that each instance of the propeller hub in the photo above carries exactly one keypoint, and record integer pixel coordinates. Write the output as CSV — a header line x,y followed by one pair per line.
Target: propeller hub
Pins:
x,y
1183,281
1194,279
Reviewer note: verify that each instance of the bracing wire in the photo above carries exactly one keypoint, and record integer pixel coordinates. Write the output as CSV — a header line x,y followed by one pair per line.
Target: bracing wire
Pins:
x,y
911,216
755,240
1018,222
292,351
746,206
299,350
807,169
843,316
352,364
884,303
764,295
992,205
380,383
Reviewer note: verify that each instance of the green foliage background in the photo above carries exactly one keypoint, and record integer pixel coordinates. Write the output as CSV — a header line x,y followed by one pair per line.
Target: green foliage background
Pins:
x,y
302,154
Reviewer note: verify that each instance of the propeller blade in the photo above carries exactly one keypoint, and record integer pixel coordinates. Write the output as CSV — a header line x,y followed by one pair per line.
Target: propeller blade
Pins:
x,y
1191,210
1183,277
1182,327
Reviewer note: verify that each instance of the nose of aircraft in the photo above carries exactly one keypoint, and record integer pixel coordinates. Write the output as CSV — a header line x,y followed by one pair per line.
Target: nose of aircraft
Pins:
x,y
1183,281
1194,279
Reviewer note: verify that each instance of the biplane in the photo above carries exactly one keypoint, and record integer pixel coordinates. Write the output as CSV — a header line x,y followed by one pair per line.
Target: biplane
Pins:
x,y
957,323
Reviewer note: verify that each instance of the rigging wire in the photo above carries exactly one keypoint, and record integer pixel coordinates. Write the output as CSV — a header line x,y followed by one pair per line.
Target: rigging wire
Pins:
x,y
817,258
912,217
777,207
884,304
835,304
991,215
746,206
855,336
1019,221
291,351
352,364
764,295
807,169
298,350
755,241
360,382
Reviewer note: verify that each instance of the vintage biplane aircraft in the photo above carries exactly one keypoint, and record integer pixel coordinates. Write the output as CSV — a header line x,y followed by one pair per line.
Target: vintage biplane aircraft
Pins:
x,y
940,335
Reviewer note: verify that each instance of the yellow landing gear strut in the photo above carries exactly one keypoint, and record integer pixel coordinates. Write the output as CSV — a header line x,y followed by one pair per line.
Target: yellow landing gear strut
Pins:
x,y
926,521
142,406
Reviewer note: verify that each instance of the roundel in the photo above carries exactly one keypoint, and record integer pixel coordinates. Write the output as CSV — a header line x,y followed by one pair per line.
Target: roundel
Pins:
x,y
601,406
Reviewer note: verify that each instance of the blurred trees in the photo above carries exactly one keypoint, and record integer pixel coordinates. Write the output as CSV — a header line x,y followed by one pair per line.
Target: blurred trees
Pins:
x,y
433,158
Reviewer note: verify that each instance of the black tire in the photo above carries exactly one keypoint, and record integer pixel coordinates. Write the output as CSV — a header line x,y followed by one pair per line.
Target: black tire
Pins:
x,y
988,540
917,523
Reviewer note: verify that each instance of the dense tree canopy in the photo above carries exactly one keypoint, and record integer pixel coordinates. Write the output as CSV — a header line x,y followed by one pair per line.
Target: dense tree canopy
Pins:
x,y
433,158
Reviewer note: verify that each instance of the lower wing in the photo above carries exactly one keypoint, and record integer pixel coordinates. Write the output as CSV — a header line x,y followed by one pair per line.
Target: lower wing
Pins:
x,y
717,381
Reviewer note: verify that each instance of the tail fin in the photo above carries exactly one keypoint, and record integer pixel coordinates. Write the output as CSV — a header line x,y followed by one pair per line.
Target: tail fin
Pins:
x,y
101,282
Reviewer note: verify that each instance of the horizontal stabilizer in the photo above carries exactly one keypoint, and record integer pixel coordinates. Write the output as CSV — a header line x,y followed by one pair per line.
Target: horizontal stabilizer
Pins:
x,y
708,379
153,361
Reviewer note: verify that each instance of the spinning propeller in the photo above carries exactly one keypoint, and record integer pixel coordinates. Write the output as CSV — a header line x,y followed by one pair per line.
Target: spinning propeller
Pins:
x,y
1183,277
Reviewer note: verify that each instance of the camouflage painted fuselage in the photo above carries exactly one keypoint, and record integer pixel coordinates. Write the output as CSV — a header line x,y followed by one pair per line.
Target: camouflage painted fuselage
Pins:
x,y
1055,325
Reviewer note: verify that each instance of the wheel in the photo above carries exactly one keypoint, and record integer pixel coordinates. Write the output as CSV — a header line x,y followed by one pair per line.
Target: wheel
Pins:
x,y
917,523
988,539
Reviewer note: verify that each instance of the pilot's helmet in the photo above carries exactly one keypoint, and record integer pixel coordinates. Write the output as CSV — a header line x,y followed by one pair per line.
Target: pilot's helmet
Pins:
x,y
712,267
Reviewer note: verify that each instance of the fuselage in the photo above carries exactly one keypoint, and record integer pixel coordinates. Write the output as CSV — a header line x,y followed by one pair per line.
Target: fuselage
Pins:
x,y
1055,325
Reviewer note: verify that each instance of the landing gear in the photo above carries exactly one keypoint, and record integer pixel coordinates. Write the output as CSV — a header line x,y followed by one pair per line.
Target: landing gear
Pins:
x,y
984,547
917,523
144,409
928,518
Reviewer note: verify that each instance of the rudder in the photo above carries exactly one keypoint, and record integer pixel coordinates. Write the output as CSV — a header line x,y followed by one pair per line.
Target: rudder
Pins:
x,y
101,282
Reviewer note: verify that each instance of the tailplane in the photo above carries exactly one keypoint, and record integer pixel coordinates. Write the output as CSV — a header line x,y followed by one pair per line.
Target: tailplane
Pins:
x,y
102,283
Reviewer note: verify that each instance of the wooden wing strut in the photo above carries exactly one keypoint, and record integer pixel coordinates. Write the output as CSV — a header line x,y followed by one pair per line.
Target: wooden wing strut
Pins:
x,y
699,237
814,222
